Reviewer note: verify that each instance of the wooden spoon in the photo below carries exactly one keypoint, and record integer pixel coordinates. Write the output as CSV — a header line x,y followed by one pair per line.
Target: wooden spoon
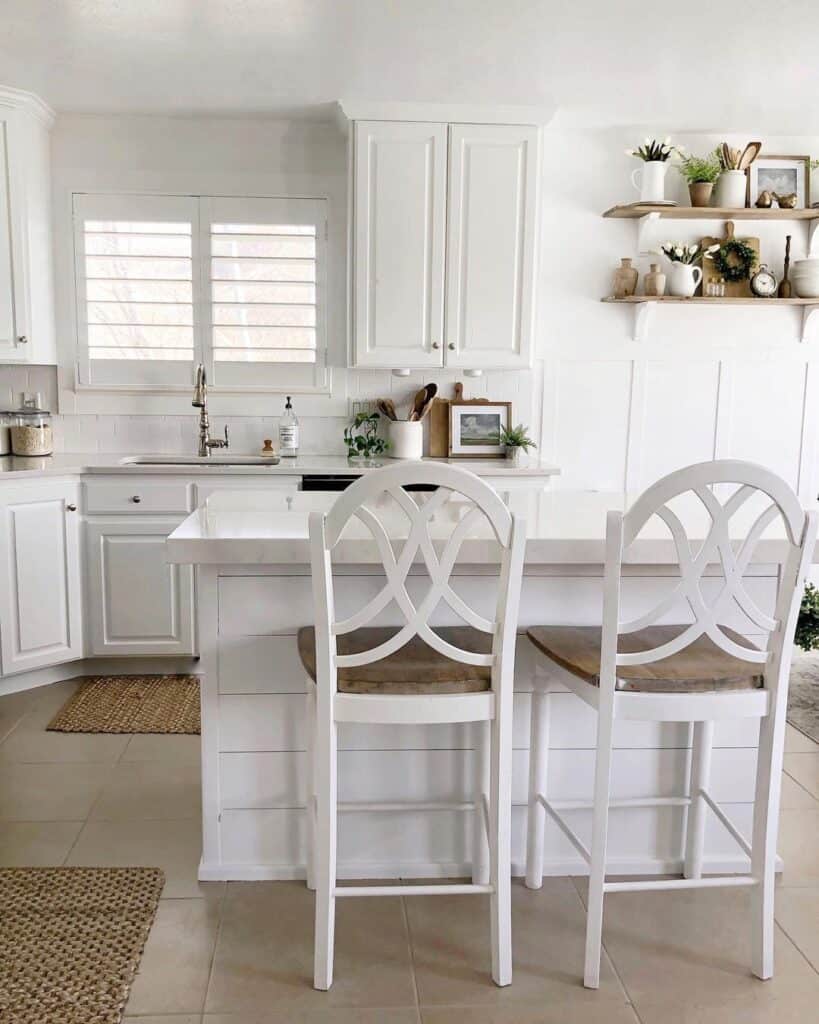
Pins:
x,y
749,154
387,407
431,392
726,156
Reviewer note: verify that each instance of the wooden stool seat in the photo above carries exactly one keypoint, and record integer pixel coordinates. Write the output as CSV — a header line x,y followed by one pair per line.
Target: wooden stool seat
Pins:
x,y
416,668
701,667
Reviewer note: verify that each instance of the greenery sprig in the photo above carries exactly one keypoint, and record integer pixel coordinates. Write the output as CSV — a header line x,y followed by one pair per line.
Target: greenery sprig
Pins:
x,y
700,168
516,437
651,149
807,626
362,439
735,260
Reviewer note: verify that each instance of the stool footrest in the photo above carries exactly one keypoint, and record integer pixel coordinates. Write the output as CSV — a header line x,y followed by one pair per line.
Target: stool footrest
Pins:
x,y
412,890
711,882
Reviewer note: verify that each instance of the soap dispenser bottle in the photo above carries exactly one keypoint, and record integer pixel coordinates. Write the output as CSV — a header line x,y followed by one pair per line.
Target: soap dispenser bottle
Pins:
x,y
288,432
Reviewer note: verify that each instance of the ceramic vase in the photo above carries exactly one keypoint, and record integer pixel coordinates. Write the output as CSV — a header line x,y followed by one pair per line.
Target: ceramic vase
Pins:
x,y
649,180
700,192
730,190
684,279
654,281
406,439
625,279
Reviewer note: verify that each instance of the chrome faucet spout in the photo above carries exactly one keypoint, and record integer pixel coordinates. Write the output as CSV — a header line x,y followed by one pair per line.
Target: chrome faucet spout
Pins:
x,y
200,401
200,391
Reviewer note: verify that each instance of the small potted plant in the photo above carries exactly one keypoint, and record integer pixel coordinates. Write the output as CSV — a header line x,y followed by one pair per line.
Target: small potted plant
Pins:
x,y
807,625
684,278
362,440
655,156
701,173
517,442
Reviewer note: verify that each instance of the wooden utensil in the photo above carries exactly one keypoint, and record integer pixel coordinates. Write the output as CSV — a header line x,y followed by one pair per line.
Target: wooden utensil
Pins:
x,y
417,405
426,405
785,288
749,154
386,406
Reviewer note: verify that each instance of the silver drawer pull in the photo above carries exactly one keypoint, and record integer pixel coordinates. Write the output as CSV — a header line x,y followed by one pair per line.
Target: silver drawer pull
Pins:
x,y
136,499
71,508
22,340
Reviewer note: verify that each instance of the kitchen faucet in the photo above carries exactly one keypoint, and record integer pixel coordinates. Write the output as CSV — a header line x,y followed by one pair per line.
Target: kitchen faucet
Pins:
x,y
200,401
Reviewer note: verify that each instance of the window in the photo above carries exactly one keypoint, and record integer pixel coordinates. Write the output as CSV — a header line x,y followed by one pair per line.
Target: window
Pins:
x,y
165,282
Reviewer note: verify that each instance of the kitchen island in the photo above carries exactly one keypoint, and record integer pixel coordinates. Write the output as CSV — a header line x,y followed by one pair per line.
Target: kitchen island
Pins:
x,y
251,555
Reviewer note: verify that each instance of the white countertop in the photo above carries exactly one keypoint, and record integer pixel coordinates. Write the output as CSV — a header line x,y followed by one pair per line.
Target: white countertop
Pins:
x,y
562,528
68,464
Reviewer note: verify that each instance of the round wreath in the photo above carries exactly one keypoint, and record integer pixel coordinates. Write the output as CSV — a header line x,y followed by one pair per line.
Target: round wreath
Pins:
x,y
735,260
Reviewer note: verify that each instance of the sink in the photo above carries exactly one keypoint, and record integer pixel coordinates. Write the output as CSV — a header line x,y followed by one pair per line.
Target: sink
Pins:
x,y
195,460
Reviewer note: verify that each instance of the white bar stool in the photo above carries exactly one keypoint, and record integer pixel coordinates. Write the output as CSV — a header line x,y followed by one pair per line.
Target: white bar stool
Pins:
x,y
414,674
700,672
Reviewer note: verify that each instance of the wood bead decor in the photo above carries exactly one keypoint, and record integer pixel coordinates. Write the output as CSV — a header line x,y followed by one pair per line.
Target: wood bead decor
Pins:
x,y
71,940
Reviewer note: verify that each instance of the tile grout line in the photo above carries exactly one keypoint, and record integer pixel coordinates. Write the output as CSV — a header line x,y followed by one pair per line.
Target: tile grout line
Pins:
x,y
222,902
804,790
408,931
796,946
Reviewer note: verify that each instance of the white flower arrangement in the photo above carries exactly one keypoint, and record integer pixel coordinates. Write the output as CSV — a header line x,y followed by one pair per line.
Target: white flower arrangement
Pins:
x,y
652,150
677,252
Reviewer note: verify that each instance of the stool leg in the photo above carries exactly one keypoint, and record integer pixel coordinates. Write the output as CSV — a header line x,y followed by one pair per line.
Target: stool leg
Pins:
x,y
310,808
326,739
480,844
538,767
763,847
500,901
597,867
698,810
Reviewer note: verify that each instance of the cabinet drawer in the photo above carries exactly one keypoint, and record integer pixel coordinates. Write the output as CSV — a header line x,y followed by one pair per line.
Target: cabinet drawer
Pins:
x,y
138,495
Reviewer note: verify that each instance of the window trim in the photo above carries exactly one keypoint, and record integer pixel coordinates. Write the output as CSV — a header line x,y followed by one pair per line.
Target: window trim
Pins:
x,y
121,203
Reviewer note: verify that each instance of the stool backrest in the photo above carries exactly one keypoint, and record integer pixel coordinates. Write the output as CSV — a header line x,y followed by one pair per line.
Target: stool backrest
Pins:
x,y
362,502
724,488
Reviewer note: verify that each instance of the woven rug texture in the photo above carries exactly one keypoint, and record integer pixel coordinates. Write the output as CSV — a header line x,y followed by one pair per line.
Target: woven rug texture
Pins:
x,y
132,704
71,940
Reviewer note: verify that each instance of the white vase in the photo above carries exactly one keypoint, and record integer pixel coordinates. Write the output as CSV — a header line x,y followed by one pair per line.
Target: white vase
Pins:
x,y
406,439
730,190
649,180
684,279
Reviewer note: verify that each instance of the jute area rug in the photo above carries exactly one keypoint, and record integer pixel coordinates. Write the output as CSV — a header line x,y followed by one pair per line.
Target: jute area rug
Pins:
x,y
71,940
132,704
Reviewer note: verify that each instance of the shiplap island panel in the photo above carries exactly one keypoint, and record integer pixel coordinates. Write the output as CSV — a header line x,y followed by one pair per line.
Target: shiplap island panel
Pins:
x,y
255,592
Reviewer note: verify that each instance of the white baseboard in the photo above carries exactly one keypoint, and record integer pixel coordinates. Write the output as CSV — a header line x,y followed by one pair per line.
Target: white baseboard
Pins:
x,y
96,667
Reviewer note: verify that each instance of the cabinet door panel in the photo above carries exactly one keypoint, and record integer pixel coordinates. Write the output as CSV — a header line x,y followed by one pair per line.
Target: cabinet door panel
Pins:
x,y
490,245
138,603
8,334
400,217
40,593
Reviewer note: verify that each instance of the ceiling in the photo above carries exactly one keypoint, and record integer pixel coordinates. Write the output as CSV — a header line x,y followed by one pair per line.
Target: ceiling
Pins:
x,y
640,59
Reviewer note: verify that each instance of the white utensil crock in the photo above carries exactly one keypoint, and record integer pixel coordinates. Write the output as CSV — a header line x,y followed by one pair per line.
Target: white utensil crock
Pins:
x,y
651,183
406,439
684,279
730,190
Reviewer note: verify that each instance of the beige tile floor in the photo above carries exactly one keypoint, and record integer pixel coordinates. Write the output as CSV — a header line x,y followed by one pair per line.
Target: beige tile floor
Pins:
x,y
241,953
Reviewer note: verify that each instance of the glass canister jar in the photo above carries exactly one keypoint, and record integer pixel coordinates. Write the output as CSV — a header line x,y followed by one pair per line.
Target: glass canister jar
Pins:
x,y
31,432
6,420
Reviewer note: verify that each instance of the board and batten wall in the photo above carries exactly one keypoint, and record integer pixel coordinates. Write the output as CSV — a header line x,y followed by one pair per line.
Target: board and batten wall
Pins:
x,y
611,412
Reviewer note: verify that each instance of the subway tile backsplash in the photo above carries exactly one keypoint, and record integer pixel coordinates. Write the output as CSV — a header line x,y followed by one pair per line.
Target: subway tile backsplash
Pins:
x,y
175,434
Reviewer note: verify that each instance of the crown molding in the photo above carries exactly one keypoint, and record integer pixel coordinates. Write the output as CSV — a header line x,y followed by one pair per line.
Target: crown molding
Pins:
x,y
444,113
19,99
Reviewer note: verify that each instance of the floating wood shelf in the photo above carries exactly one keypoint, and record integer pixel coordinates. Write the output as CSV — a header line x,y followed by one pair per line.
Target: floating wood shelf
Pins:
x,y
643,305
636,211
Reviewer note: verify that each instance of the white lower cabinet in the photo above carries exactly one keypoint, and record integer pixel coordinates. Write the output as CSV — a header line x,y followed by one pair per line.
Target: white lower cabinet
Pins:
x,y
40,577
137,603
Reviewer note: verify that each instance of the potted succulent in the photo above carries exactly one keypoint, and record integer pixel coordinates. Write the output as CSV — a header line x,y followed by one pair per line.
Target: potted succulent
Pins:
x,y
701,173
685,278
655,156
362,440
517,442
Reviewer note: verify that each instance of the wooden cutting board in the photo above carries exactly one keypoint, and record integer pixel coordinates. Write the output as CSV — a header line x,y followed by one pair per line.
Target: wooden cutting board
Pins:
x,y
733,289
438,444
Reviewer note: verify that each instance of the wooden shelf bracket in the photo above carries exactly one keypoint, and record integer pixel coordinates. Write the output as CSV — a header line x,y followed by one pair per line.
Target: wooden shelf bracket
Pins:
x,y
809,316
647,221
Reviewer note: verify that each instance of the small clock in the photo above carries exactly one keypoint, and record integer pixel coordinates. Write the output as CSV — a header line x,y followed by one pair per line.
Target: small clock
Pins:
x,y
764,283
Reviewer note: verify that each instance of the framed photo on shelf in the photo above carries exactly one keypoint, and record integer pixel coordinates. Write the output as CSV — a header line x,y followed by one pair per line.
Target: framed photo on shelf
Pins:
x,y
475,428
781,174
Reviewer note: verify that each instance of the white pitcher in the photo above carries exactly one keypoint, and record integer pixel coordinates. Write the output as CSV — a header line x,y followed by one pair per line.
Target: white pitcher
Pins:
x,y
684,279
651,184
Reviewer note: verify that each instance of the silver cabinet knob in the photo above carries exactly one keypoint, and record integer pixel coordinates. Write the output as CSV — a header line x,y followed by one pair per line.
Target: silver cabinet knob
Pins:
x,y
136,499
451,346
436,344
22,340
71,508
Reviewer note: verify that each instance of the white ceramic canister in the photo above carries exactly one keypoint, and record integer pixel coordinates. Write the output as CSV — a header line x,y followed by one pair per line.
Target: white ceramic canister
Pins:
x,y
684,279
651,184
406,439
731,190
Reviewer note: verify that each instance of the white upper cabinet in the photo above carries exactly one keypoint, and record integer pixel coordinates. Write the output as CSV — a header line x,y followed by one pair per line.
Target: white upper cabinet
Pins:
x,y
400,209
26,274
490,245
444,225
